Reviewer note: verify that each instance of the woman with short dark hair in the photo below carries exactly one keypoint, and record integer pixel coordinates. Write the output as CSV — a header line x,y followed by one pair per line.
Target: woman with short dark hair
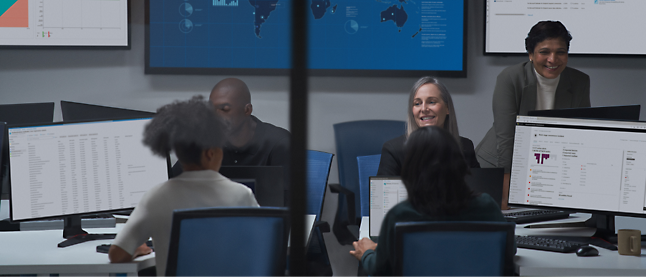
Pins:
x,y
544,82
433,173
196,134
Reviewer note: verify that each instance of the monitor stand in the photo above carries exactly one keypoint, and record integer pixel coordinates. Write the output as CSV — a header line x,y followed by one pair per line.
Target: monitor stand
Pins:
x,y
604,237
74,234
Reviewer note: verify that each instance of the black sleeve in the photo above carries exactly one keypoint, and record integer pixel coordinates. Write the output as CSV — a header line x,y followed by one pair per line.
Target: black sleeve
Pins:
x,y
469,153
389,165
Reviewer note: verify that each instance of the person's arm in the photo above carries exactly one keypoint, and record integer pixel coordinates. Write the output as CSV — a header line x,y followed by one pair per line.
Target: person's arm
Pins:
x,y
469,152
505,109
389,165
585,102
361,246
118,255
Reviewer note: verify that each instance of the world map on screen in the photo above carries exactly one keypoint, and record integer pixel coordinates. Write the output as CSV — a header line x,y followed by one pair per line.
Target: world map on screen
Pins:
x,y
342,34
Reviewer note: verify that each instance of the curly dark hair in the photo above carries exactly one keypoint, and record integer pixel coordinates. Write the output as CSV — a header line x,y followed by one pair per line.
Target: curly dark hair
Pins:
x,y
545,30
187,128
433,173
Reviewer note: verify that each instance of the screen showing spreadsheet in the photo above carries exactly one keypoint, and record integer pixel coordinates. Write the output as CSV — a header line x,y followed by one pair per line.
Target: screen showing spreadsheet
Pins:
x,y
78,168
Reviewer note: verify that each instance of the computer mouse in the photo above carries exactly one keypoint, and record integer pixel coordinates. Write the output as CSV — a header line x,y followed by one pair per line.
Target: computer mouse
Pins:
x,y
587,251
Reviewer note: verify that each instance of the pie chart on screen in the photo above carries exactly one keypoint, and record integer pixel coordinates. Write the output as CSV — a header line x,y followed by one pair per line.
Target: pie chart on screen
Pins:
x,y
14,13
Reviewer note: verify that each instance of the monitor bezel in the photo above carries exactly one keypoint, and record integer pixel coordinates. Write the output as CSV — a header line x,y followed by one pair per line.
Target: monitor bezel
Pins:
x,y
168,169
568,209
312,72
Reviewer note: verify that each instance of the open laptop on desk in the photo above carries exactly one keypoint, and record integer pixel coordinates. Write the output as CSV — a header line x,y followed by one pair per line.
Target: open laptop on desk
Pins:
x,y
385,193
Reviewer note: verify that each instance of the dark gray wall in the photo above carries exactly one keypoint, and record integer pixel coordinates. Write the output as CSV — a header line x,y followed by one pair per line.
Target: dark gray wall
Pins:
x,y
116,78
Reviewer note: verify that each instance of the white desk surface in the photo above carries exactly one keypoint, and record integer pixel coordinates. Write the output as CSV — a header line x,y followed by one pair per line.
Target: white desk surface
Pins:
x,y
36,252
545,263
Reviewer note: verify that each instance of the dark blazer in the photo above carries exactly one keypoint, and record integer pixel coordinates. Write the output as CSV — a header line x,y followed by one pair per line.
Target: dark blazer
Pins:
x,y
392,156
515,94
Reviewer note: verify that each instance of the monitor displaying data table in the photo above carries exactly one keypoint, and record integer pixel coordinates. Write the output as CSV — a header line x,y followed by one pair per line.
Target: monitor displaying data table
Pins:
x,y
345,37
579,165
63,169
56,23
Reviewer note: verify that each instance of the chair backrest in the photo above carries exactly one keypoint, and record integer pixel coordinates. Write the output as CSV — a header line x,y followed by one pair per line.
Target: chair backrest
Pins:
x,y
368,166
318,170
454,248
228,241
360,138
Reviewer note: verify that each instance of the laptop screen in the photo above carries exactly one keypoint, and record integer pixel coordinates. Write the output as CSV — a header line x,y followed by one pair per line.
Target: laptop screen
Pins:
x,y
385,192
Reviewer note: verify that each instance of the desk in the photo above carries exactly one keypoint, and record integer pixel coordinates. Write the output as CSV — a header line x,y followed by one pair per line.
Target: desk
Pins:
x,y
544,263
36,252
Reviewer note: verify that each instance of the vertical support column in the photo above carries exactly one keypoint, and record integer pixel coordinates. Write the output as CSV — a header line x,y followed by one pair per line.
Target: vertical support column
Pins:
x,y
298,101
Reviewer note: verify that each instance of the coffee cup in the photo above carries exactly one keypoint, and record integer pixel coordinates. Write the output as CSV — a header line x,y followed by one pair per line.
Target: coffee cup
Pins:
x,y
629,242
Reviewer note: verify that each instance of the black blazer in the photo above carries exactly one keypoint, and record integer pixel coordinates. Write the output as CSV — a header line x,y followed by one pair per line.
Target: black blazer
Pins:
x,y
392,155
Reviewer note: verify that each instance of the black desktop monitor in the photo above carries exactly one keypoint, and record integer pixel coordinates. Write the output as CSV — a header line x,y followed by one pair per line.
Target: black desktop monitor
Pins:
x,y
487,180
73,111
580,165
27,113
627,112
267,182
68,169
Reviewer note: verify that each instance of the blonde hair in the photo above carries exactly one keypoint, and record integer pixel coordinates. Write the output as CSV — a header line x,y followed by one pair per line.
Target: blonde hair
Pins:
x,y
450,122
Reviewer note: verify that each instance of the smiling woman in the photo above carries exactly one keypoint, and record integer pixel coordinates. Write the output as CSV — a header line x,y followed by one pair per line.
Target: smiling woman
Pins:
x,y
429,104
542,83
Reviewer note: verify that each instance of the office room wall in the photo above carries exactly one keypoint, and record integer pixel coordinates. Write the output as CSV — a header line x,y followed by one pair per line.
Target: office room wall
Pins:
x,y
116,78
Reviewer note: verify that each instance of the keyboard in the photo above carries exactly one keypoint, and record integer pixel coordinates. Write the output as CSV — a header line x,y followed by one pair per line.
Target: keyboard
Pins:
x,y
548,244
535,216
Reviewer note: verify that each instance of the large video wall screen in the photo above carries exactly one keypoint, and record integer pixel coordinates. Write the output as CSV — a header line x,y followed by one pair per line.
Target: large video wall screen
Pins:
x,y
346,37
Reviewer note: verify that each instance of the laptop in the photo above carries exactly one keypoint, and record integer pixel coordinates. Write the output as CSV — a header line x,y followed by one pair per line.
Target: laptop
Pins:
x,y
388,191
385,193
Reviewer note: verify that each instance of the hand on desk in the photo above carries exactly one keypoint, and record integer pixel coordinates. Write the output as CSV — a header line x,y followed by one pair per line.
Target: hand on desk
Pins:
x,y
118,255
361,246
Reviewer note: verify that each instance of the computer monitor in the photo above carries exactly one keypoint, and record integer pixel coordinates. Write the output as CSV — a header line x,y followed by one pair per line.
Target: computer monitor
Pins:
x,y
627,112
73,111
385,193
487,180
24,113
27,113
267,182
68,169
580,165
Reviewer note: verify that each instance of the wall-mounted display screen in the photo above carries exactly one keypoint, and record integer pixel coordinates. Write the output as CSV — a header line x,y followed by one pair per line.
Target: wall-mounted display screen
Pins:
x,y
597,26
64,23
346,37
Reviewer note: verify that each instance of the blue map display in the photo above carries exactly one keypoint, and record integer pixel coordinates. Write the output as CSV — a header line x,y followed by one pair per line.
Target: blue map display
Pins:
x,y
343,34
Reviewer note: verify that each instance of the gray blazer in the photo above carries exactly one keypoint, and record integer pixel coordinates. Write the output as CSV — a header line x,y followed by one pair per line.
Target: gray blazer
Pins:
x,y
515,94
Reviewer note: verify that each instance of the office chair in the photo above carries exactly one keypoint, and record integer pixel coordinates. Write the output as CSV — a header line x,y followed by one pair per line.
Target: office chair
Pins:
x,y
318,170
353,139
368,166
466,248
228,241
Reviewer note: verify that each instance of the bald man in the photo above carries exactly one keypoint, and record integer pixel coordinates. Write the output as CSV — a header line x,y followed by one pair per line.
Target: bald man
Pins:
x,y
250,141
